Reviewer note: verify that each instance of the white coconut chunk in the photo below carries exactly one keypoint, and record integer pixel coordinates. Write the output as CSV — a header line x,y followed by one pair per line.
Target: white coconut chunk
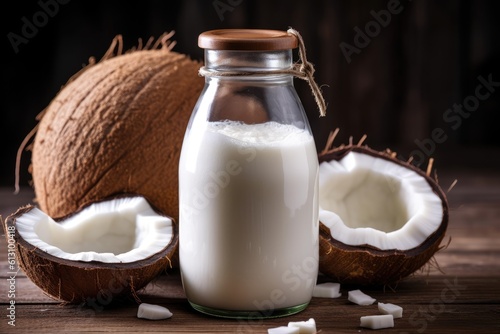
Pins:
x,y
327,290
153,312
360,298
392,309
305,327
122,230
377,321
368,200
283,330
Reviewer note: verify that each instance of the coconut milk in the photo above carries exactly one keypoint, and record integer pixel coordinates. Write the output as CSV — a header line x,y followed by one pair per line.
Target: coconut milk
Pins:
x,y
248,216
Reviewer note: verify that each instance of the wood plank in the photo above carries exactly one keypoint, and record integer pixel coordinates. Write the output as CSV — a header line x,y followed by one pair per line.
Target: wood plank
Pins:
x,y
439,298
340,319
430,304
169,286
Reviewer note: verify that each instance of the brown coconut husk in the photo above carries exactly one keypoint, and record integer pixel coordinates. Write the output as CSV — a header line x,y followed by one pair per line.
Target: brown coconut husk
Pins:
x,y
365,264
116,127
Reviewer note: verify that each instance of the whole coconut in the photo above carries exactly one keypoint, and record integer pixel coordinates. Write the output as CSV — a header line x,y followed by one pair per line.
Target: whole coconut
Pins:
x,y
116,128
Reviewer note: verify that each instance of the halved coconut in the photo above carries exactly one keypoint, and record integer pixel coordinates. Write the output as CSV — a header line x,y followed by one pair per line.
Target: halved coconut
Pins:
x,y
381,218
108,249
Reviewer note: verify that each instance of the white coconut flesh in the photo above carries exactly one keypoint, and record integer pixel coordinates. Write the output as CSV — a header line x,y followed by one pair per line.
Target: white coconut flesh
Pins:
x,y
121,230
366,200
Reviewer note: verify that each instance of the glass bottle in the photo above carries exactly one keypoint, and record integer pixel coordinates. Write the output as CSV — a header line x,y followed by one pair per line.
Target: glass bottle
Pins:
x,y
248,182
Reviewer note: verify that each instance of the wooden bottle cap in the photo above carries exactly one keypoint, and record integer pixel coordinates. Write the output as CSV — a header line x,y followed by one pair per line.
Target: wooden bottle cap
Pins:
x,y
247,39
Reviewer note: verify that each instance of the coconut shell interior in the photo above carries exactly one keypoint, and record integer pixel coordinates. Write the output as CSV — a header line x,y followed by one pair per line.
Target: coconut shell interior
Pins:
x,y
78,281
365,264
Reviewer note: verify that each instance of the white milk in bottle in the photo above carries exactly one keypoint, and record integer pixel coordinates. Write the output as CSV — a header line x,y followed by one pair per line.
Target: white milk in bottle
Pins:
x,y
248,216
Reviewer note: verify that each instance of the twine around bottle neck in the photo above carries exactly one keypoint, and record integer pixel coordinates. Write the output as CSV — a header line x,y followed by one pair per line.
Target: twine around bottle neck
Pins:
x,y
303,70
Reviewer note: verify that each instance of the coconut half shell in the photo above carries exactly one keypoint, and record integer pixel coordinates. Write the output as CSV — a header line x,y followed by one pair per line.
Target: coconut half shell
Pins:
x,y
361,259
52,267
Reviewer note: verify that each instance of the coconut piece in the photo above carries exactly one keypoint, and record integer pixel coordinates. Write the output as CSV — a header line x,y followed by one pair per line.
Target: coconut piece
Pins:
x,y
381,218
327,290
305,327
108,249
360,298
153,312
377,321
283,330
392,309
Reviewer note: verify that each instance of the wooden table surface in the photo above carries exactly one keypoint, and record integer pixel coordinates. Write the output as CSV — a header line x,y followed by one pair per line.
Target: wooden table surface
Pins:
x,y
462,295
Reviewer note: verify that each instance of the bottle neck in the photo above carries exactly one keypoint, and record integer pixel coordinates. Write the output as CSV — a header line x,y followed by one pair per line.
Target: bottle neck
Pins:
x,y
248,61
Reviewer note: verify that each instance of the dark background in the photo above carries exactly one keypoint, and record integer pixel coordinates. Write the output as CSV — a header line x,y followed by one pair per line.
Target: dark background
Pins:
x,y
396,89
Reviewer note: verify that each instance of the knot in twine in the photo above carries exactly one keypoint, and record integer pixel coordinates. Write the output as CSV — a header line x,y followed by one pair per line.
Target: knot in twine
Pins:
x,y
303,70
